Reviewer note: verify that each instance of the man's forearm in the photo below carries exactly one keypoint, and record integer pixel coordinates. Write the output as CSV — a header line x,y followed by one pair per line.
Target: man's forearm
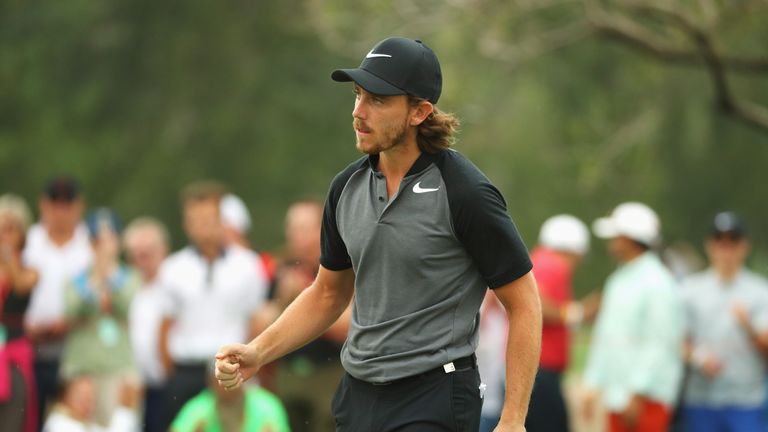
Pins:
x,y
305,319
23,279
523,350
162,345
523,307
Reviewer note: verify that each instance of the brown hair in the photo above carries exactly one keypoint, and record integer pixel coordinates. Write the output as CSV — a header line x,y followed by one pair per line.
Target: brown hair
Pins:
x,y
203,191
437,131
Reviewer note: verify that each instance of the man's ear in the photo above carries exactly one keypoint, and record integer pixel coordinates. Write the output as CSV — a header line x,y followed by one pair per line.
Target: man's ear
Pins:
x,y
421,111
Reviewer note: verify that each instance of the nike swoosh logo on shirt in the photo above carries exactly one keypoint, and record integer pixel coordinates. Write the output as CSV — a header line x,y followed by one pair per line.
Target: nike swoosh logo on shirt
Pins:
x,y
418,189
372,55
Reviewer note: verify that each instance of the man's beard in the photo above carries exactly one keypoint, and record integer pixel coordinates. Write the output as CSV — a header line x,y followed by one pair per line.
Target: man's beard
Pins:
x,y
391,137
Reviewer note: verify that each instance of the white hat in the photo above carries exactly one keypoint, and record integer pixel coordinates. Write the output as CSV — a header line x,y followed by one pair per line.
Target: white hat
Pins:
x,y
235,214
565,233
633,219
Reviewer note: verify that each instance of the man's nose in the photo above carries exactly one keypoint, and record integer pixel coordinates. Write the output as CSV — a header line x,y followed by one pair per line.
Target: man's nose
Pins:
x,y
359,110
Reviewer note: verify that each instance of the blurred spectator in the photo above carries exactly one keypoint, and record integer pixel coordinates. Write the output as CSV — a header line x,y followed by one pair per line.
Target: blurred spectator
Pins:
x,y
18,401
317,365
491,353
727,336
146,244
635,357
236,219
210,292
58,248
246,409
97,303
76,404
682,259
237,222
563,242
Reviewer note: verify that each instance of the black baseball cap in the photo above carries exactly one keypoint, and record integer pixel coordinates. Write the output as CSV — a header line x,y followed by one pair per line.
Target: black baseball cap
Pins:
x,y
62,188
728,222
397,66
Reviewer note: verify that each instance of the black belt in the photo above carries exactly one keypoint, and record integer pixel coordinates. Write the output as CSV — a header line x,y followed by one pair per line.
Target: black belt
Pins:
x,y
468,362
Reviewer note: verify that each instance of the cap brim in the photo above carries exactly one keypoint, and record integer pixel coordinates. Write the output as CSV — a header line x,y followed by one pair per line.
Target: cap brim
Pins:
x,y
366,80
735,232
605,228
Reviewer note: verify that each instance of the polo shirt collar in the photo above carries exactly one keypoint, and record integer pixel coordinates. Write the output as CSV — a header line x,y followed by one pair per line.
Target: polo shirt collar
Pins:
x,y
199,253
737,279
424,160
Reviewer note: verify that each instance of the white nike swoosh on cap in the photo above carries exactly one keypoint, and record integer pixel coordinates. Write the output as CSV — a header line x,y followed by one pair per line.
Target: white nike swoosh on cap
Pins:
x,y
372,55
418,189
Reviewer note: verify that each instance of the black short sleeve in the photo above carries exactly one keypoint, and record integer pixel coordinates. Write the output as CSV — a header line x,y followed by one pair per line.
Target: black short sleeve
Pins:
x,y
481,223
333,251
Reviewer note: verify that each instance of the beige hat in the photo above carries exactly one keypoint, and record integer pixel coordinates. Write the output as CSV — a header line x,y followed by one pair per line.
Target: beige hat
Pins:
x,y
235,214
632,219
565,233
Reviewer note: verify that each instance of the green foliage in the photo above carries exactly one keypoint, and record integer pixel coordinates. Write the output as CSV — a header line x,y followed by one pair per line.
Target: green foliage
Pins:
x,y
139,98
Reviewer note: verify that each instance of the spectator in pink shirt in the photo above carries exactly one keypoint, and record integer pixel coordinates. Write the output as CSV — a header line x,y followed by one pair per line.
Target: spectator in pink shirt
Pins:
x,y
563,241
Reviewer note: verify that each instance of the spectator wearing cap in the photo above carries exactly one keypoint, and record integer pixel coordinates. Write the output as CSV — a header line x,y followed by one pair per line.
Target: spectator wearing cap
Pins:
x,y
18,404
210,291
237,222
146,244
97,302
58,248
635,359
727,335
236,219
563,242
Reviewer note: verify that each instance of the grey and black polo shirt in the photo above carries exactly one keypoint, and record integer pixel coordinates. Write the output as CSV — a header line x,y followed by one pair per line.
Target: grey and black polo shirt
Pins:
x,y
422,261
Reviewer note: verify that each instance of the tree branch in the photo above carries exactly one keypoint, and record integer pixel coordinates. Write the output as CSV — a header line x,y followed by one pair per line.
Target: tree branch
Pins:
x,y
715,63
532,46
745,111
620,28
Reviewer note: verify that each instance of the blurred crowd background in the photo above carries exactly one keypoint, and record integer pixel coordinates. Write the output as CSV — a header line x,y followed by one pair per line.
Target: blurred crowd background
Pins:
x,y
568,107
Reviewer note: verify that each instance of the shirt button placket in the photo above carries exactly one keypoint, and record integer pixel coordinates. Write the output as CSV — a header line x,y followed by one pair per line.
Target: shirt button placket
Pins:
x,y
381,192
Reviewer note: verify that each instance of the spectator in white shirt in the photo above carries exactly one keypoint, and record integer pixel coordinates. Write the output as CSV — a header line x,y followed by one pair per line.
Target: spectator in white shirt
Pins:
x,y
58,248
210,291
237,223
146,243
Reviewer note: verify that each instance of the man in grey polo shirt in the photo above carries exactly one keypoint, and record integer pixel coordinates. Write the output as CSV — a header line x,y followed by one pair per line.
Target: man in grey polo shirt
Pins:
x,y
727,315
417,233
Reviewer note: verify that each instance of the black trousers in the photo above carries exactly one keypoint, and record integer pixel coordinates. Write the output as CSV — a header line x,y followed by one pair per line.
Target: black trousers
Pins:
x,y
185,383
154,401
547,412
431,402
47,381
